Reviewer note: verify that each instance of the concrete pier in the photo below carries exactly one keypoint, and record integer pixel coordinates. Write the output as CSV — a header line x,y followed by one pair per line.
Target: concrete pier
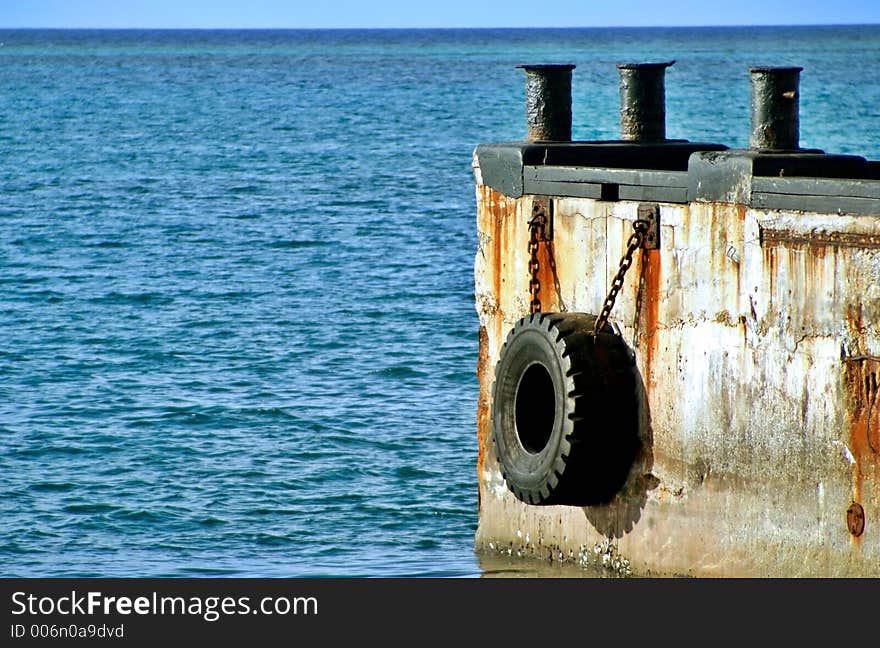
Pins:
x,y
755,332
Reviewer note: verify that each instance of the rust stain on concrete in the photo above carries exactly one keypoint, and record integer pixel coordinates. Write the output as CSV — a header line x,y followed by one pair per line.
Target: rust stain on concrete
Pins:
x,y
649,300
547,277
484,398
495,212
770,271
862,384
862,388
494,222
855,320
819,238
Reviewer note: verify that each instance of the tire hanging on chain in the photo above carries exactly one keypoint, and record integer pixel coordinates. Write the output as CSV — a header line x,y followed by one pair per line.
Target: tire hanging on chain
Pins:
x,y
564,403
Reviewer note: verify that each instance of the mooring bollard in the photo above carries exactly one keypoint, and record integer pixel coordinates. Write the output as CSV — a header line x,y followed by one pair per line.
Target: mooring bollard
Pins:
x,y
548,102
775,119
643,101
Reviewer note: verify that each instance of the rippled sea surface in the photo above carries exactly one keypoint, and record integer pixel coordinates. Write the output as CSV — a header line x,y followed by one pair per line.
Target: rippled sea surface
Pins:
x,y
237,332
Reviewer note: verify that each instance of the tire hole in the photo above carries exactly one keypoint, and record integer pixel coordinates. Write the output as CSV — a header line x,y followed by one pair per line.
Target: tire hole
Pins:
x,y
535,408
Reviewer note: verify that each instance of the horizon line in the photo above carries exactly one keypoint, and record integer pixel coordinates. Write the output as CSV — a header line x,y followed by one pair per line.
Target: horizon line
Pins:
x,y
521,28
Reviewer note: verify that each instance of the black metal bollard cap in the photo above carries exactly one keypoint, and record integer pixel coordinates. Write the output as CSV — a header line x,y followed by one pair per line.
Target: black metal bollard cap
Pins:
x,y
643,101
775,119
548,102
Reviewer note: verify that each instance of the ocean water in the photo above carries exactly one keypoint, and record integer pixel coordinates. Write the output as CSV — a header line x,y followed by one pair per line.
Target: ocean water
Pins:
x,y
237,330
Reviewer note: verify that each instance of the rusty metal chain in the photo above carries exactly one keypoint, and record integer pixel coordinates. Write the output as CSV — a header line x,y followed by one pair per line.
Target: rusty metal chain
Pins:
x,y
640,230
536,235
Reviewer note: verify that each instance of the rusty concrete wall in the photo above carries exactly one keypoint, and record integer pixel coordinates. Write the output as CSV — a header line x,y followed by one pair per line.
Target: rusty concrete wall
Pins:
x,y
757,338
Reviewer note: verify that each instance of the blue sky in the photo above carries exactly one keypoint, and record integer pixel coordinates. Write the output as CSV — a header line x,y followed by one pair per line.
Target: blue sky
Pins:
x,y
442,13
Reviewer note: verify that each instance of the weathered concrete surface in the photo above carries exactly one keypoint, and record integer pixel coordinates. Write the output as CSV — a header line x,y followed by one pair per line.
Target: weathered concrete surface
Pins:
x,y
757,338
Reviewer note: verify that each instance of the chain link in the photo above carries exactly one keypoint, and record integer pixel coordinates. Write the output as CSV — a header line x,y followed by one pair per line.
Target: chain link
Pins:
x,y
640,230
536,235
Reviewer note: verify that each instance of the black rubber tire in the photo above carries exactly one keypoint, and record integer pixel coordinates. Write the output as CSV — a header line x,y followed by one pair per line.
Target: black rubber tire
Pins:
x,y
564,410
